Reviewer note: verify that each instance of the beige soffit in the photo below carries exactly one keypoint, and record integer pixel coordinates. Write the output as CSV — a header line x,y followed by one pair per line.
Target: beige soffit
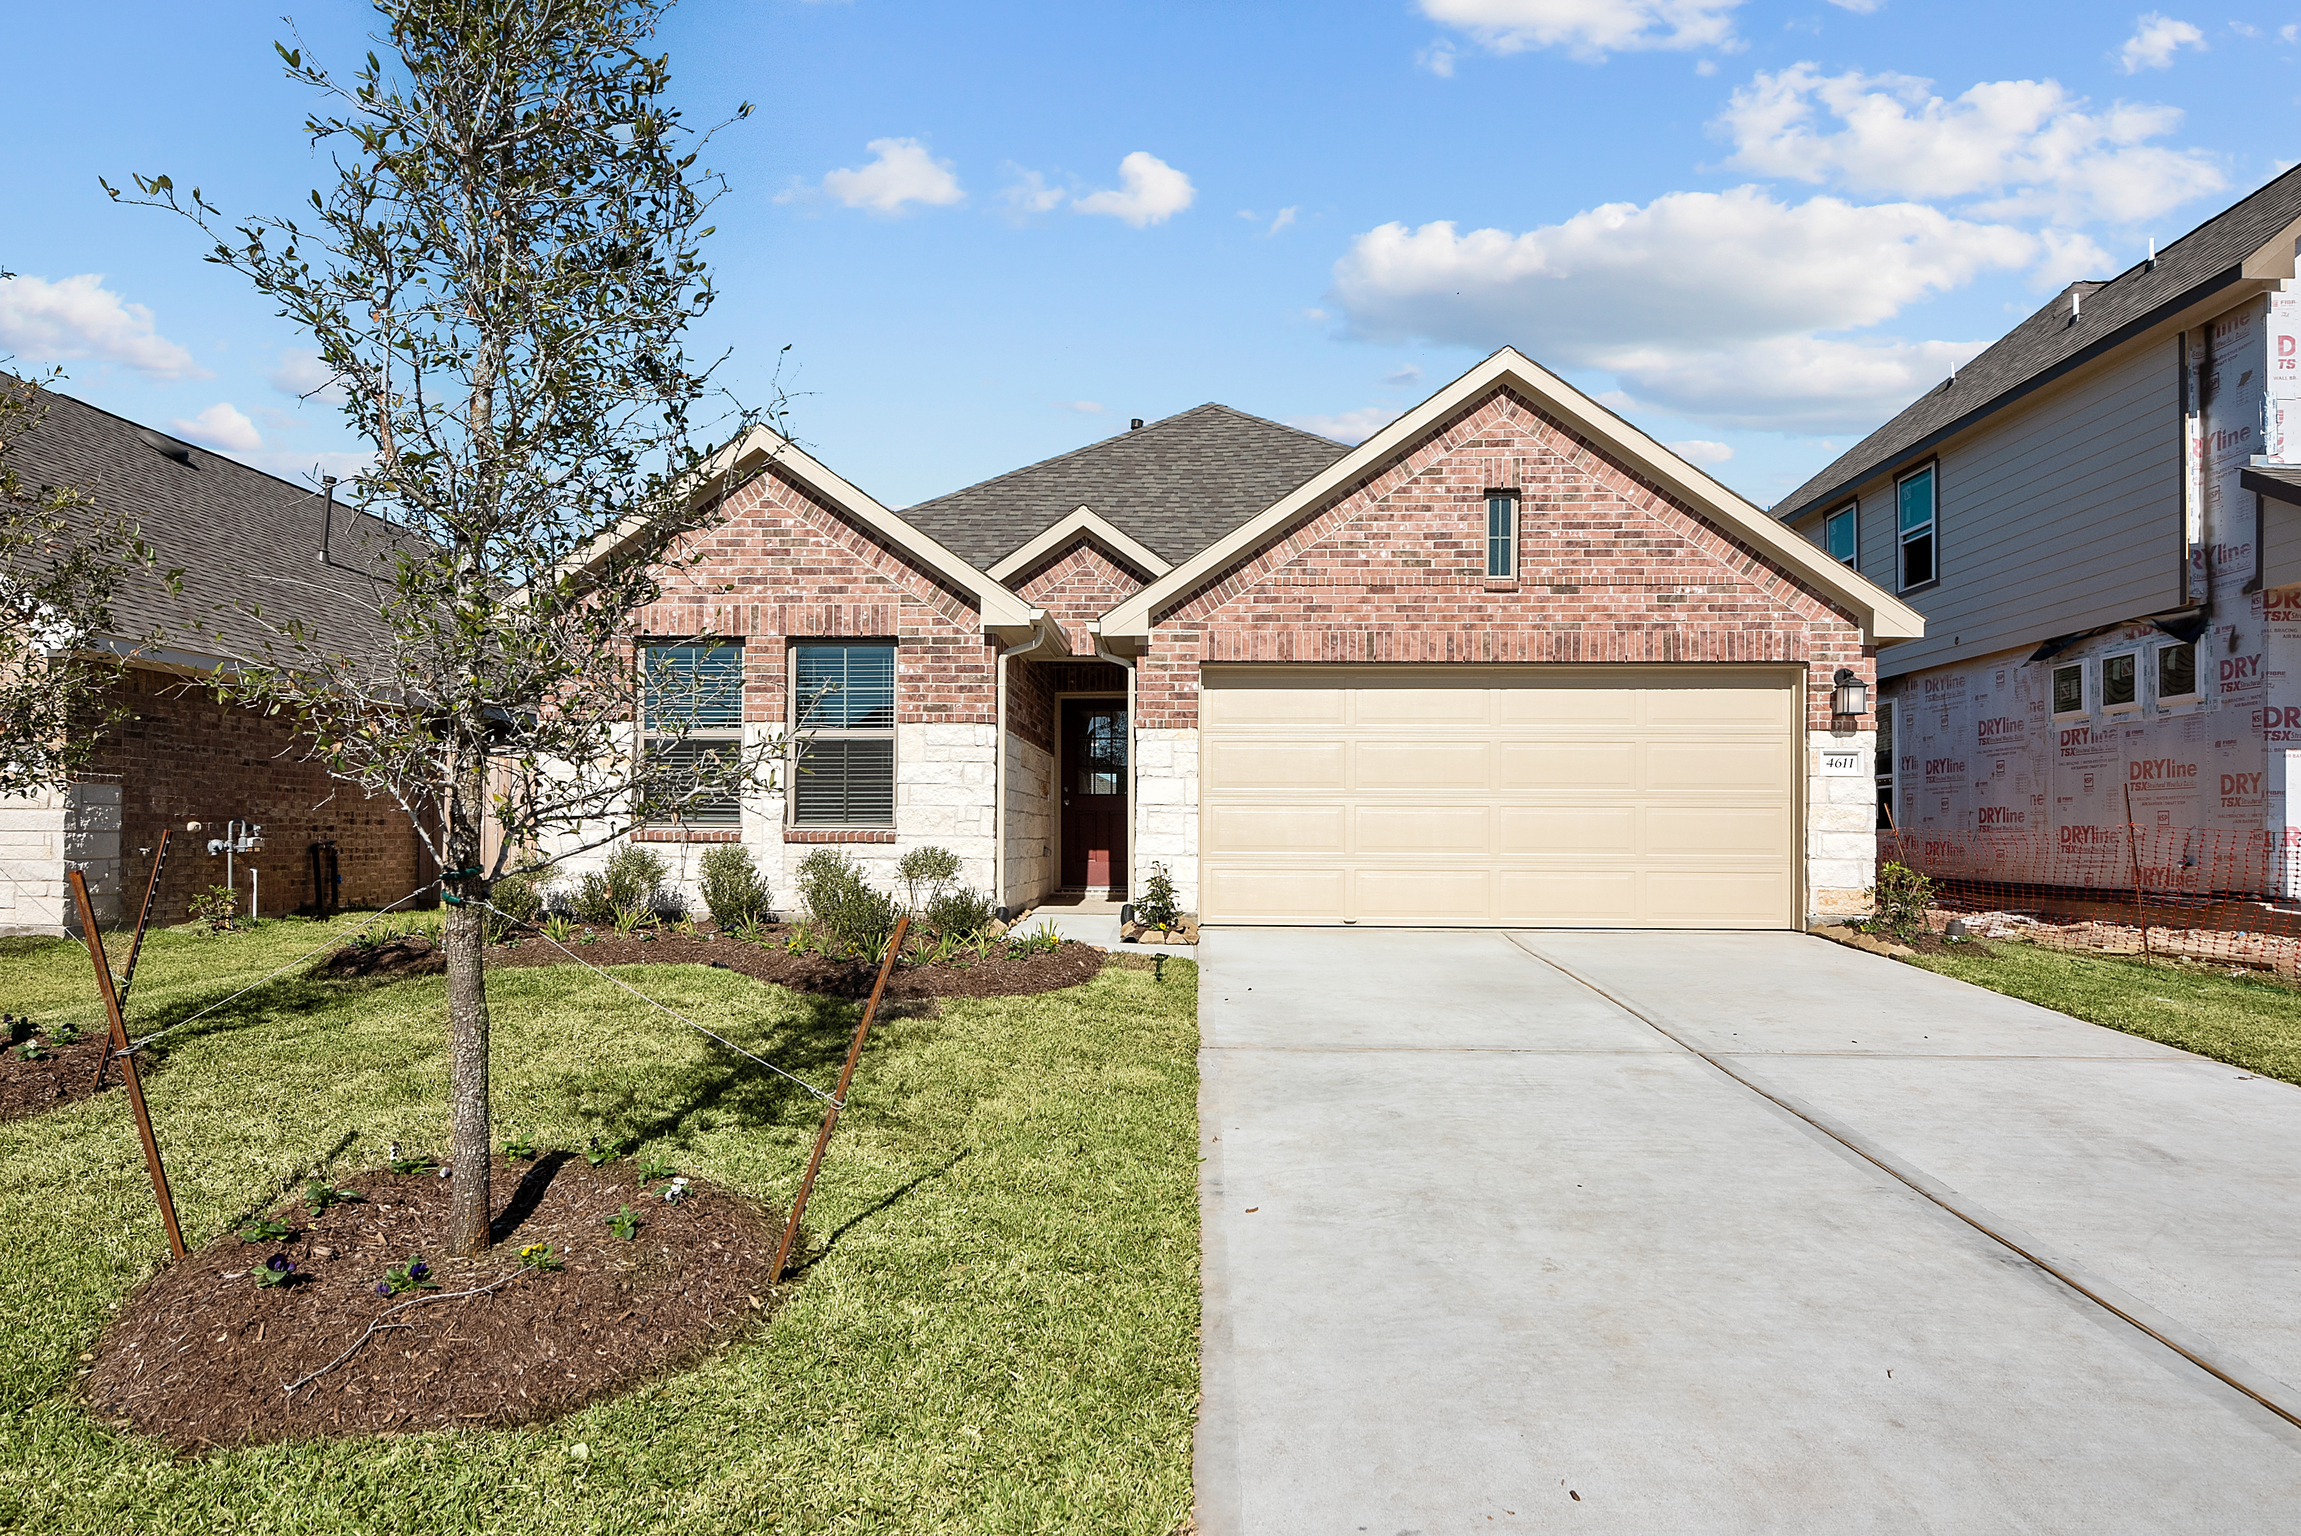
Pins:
x,y
758,448
1090,524
1884,617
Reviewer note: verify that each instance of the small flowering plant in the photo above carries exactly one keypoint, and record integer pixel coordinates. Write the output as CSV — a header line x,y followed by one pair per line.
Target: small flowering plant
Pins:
x,y
279,1269
264,1230
599,1152
654,1168
414,1275
520,1147
624,1224
676,1190
319,1194
538,1256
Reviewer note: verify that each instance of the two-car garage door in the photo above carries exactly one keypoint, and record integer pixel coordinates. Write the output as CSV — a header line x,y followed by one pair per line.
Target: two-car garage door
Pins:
x,y
1623,796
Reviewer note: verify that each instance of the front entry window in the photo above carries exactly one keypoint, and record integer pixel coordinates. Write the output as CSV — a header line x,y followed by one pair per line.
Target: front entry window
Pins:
x,y
1099,766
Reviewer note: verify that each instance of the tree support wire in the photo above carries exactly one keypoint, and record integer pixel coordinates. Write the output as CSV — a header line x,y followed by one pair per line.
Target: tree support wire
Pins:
x,y
837,1099
111,996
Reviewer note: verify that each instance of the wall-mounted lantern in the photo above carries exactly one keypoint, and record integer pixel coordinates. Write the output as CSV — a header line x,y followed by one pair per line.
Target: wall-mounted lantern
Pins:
x,y
1851,696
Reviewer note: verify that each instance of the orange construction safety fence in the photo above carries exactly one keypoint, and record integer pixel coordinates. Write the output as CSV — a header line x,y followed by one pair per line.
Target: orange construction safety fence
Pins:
x,y
2228,896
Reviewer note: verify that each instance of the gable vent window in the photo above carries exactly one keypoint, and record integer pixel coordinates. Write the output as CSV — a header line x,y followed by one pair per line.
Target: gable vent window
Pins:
x,y
1502,533
843,709
1914,497
693,701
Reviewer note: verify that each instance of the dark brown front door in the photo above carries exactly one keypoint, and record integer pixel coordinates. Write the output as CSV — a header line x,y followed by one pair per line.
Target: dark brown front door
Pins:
x,y
1094,786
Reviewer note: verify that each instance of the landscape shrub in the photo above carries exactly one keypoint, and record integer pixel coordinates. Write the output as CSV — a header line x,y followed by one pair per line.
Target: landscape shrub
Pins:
x,y
517,897
1157,907
926,874
631,882
958,914
1899,901
845,907
732,887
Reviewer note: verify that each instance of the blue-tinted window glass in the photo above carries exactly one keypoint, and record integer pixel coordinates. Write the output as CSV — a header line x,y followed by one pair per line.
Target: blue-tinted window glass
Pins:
x,y
846,687
693,687
1838,536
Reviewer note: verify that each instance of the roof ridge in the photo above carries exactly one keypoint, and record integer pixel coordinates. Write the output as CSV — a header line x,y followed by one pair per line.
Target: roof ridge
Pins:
x,y
1130,435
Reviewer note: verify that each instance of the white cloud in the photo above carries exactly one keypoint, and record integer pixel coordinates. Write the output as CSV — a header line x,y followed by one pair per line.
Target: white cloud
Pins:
x,y
1029,193
1700,450
1284,220
221,427
1860,7
903,173
2291,32
2028,143
306,468
1348,426
1150,191
300,372
2067,257
1083,407
1398,378
1714,305
1586,29
77,317
2156,38
1438,58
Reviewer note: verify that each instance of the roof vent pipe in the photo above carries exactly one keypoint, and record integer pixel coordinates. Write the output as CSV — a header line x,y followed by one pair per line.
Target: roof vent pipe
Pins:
x,y
1135,425
327,515
2076,303
2152,253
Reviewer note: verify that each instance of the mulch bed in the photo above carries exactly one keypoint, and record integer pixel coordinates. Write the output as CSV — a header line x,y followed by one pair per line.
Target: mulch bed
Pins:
x,y
63,1075
199,1356
1068,966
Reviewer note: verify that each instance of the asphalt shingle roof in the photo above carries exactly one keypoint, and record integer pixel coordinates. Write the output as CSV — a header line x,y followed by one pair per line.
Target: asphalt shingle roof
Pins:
x,y
2282,481
242,538
2047,344
1177,485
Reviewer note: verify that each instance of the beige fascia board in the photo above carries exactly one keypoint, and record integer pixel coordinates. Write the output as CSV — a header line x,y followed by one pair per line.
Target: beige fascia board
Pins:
x,y
1083,521
761,447
1884,617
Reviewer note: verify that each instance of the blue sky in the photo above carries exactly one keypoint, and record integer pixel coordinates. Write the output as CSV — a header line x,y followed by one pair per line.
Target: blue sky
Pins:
x,y
995,232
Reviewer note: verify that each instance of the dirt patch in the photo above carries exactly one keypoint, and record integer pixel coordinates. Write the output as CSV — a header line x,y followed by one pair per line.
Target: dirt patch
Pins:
x,y
63,1075
199,1357
1930,943
1000,976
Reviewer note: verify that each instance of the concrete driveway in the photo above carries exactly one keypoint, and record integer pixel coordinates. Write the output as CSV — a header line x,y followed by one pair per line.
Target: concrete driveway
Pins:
x,y
1639,1232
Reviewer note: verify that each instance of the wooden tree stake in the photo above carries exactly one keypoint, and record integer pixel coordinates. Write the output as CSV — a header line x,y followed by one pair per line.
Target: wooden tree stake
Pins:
x,y
838,1097
111,996
136,948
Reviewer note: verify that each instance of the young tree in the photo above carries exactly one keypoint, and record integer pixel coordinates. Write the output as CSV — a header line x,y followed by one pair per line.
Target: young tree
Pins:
x,y
62,562
499,282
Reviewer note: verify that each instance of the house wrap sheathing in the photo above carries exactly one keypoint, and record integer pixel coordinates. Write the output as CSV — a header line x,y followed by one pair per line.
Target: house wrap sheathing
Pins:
x,y
2026,794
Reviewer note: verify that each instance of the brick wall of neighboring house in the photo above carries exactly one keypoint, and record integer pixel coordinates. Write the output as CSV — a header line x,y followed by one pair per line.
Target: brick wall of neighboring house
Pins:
x,y
1393,570
784,567
181,757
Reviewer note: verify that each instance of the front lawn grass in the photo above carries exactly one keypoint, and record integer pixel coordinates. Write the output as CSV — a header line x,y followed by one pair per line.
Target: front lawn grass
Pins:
x,y
1000,1336
2248,1021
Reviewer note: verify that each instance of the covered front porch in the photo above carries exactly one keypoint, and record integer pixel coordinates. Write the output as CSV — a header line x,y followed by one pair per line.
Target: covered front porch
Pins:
x,y
1068,778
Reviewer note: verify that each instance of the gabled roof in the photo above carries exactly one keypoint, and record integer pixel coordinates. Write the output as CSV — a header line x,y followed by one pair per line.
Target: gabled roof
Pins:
x,y
1883,616
761,448
241,537
1084,523
2253,240
1176,485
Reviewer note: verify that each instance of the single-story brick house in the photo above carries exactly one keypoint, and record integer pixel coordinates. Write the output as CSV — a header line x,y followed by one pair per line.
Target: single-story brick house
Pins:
x,y
247,543
1508,661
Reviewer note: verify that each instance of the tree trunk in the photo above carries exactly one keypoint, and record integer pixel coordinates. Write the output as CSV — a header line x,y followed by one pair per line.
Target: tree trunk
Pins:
x,y
469,1206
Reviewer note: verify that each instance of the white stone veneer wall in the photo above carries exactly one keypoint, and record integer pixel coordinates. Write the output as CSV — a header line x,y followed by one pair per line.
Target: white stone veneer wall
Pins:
x,y
32,893
1166,809
1841,828
1030,823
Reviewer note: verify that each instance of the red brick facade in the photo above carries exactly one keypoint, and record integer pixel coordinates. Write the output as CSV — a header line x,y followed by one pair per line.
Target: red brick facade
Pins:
x,y
1074,586
1611,569
785,567
182,757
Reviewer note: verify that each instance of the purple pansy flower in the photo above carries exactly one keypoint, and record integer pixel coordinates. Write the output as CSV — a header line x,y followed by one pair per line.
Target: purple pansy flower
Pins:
x,y
279,1264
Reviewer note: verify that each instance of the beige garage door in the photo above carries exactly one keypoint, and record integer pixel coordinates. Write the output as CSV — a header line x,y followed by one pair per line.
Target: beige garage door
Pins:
x,y
1619,797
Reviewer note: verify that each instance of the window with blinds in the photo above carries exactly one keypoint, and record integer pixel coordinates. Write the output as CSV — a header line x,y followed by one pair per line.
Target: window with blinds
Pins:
x,y
692,703
843,712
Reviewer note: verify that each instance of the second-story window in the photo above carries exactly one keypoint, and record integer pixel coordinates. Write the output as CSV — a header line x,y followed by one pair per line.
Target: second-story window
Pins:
x,y
1841,535
694,707
1914,518
843,709
2119,675
2069,689
1502,533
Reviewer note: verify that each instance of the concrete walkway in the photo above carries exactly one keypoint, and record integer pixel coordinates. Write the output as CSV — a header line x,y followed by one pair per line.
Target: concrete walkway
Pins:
x,y
1726,1232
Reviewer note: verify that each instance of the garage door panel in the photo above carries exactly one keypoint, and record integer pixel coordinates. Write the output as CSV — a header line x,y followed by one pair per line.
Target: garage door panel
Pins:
x,y
1298,764
1528,831
1278,829
1380,894
1609,765
1420,765
1631,796
1420,829
1274,893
